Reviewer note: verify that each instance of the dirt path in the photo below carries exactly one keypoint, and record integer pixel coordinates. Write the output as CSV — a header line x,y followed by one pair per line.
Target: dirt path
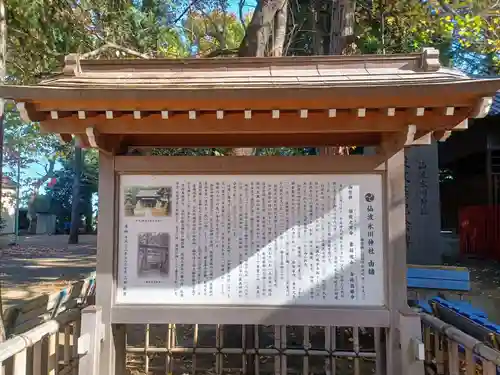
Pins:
x,y
44,264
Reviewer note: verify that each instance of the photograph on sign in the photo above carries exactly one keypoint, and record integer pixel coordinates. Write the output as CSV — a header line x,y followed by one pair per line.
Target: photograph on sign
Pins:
x,y
153,255
254,240
147,201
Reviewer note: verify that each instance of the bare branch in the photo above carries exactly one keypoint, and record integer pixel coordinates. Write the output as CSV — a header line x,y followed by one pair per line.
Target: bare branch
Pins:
x,y
222,52
184,12
110,45
241,5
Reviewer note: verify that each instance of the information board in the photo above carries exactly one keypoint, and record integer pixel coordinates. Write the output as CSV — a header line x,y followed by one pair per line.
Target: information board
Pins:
x,y
255,240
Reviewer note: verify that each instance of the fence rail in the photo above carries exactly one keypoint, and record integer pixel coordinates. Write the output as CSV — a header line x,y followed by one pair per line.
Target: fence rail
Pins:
x,y
449,351
44,332
51,348
48,349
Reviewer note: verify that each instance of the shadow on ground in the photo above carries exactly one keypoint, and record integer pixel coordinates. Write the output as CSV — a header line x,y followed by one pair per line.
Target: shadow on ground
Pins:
x,y
44,264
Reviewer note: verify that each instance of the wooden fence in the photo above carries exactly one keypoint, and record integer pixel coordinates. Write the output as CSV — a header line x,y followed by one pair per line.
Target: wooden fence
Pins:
x,y
280,350
44,332
51,347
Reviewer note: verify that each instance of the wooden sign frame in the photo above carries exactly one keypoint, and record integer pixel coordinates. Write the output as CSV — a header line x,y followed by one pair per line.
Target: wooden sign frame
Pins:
x,y
291,315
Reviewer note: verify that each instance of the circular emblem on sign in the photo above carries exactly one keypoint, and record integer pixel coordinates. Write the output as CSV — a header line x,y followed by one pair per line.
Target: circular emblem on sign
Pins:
x,y
369,197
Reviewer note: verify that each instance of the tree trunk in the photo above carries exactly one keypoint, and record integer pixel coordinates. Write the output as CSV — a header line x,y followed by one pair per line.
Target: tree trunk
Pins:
x,y
279,35
34,194
269,19
75,204
88,213
341,37
260,28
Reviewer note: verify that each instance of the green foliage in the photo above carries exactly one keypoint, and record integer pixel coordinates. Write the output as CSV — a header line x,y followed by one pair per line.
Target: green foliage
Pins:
x,y
61,193
217,30
405,26
25,141
25,147
42,32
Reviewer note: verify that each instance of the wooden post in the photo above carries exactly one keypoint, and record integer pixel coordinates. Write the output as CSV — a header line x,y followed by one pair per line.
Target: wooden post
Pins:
x,y
404,333
105,276
412,347
89,343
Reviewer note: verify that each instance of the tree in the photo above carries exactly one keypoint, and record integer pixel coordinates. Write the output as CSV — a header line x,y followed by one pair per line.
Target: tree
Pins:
x,y
25,145
60,189
75,204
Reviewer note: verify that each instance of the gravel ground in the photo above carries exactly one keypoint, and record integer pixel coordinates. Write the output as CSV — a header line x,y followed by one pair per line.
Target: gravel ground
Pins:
x,y
485,286
44,264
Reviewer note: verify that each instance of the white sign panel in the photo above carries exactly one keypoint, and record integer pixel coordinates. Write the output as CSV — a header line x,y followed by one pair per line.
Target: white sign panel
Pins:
x,y
308,240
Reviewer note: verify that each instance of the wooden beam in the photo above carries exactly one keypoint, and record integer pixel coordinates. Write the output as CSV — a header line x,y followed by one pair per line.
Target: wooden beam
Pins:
x,y
248,122
341,97
236,123
249,164
250,140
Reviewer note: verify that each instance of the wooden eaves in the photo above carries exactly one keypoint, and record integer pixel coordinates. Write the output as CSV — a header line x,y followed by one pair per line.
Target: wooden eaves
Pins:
x,y
364,100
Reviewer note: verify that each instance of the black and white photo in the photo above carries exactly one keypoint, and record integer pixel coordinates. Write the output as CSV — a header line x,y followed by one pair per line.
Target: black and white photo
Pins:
x,y
153,256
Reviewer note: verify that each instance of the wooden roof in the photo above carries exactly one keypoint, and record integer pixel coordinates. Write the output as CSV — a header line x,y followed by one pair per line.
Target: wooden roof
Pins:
x,y
288,101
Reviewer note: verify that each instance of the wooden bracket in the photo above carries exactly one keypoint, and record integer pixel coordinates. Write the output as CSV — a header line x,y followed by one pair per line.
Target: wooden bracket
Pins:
x,y
441,135
394,142
82,141
430,60
464,125
102,142
97,140
410,135
28,112
481,107
92,134
23,112
65,138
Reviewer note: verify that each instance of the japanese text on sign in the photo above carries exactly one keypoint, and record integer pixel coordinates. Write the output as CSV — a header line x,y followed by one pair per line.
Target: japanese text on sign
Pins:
x,y
251,240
